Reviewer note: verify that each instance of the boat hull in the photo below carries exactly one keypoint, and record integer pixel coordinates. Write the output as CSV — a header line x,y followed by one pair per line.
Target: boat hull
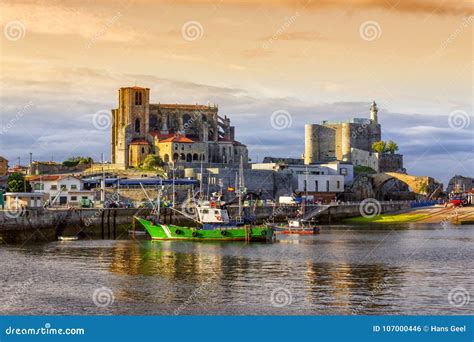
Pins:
x,y
172,232
298,231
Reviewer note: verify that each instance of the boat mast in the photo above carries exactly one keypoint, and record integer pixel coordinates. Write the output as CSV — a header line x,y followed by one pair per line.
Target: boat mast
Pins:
x,y
200,183
241,185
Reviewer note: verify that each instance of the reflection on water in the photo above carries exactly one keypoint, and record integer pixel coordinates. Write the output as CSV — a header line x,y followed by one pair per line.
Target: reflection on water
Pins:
x,y
340,271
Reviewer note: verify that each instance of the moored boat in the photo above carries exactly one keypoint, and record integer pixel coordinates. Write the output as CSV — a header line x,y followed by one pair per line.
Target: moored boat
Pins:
x,y
213,225
296,227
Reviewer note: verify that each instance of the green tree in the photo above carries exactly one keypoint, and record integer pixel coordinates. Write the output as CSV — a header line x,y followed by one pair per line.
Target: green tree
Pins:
x,y
152,162
392,146
379,146
74,161
17,183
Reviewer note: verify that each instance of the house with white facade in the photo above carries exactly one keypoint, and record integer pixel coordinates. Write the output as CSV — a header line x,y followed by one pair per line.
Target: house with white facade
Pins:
x,y
62,190
336,168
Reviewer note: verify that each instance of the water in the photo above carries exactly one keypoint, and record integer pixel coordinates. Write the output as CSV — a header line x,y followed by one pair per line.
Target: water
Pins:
x,y
344,270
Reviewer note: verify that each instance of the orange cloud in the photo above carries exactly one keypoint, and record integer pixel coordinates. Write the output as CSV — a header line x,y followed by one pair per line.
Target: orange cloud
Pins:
x,y
303,35
438,7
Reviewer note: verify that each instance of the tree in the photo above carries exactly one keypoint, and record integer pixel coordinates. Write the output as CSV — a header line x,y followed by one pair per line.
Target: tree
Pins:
x,y
17,183
152,162
392,146
379,146
74,161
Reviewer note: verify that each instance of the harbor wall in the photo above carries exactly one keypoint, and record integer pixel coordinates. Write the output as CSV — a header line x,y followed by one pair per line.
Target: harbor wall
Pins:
x,y
48,224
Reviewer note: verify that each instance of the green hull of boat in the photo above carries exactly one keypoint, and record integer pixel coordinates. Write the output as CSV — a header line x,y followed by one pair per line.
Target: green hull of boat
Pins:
x,y
172,232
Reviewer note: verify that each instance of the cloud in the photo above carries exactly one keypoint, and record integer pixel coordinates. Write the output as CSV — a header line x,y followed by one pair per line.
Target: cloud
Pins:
x,y
60,123
294,36
438,7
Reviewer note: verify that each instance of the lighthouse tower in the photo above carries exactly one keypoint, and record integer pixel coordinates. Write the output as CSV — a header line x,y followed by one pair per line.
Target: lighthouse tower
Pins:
x,y
373,112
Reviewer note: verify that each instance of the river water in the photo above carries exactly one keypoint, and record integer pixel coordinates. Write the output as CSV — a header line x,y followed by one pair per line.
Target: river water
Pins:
x,y
403,269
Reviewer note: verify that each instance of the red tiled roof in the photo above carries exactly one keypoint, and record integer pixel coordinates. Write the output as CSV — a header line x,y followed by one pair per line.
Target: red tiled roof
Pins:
x,y
47,178
177,138
44,178
161,136
139,142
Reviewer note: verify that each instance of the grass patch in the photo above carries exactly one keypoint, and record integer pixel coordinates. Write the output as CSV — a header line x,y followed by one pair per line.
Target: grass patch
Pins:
x,y
398,218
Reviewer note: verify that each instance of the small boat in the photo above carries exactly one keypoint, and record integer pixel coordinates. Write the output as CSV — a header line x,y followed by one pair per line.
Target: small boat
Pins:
x,y
213,225
296,227
68,238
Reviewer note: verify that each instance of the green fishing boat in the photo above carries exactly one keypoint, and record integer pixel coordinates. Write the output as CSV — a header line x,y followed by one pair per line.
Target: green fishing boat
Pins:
x,y
213,224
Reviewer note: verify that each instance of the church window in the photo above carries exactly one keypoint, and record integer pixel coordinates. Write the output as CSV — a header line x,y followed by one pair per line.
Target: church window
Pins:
x,y
137,125
138,98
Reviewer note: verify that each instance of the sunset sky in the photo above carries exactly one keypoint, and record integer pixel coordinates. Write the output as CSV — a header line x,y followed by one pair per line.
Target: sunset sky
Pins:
x,y
63,61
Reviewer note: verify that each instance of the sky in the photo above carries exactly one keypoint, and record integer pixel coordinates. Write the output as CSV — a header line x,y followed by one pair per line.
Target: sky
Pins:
x,y
271,66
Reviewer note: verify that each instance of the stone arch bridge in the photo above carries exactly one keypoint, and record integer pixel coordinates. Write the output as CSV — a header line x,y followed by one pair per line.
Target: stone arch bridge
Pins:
x,y
420,185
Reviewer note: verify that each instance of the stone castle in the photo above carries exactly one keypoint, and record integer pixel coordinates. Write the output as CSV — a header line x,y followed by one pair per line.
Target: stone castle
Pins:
x,y
349,141
175,132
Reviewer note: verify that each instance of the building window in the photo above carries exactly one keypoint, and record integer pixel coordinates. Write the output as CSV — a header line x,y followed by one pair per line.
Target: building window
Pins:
x,y
84,197
338,184
39,186
143,150
53,187
167,158
137,125
316,186
138,98
343,171
73,198
327,186
304,186
73,186
63,187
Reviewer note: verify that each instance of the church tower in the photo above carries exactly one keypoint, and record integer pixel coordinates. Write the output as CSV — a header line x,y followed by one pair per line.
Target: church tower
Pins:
x,y
130,126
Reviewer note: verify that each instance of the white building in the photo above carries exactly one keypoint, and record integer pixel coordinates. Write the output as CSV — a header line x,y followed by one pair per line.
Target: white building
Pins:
x,y
335,168
61,189
320,183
